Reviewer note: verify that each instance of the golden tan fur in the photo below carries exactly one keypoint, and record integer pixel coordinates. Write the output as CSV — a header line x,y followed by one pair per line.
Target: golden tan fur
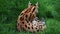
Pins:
x,y
26,17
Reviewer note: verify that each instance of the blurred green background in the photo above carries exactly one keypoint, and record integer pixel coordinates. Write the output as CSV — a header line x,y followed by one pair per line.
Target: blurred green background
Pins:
x,y
10,10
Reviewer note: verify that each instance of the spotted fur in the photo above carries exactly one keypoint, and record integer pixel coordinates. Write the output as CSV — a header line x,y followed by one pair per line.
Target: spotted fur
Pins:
x,y
26,18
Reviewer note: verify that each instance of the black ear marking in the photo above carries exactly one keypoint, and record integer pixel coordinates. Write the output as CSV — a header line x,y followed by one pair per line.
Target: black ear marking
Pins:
x,y
31,3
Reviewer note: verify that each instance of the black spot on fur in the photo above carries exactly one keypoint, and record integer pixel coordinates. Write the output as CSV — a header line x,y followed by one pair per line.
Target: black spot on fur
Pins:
x,y
26,26
21,18
27,11
26,20
21,13
22,22
32,27
33,16
37,30
33,10
30,17
26,16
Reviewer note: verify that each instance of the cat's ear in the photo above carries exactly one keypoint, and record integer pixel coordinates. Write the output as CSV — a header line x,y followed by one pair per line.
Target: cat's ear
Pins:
x,y
36,4
29,4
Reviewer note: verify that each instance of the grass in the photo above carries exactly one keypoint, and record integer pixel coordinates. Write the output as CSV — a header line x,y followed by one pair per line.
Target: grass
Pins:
x,y
10,10
53,27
